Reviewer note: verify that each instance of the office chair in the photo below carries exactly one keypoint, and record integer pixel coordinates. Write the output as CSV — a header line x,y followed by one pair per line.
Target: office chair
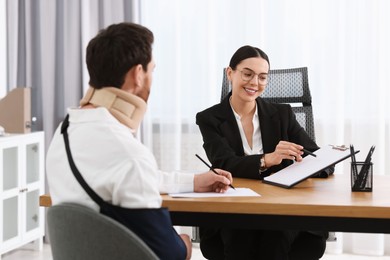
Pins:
x,y
77,232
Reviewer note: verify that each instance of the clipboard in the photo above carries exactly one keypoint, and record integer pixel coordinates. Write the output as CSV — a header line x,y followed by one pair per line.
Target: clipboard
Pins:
x,y
310,165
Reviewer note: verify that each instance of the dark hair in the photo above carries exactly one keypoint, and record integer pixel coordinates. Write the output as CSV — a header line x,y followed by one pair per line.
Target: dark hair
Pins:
x,y
115,50
246,52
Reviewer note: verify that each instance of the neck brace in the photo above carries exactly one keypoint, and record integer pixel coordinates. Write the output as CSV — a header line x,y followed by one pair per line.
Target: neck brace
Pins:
x,y
127,108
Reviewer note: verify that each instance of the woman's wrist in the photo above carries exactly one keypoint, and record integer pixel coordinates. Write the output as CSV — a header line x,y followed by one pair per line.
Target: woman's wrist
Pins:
x,y
263,164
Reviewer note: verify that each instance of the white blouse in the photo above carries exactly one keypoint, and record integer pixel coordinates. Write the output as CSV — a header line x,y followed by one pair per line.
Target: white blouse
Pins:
x,y
257,144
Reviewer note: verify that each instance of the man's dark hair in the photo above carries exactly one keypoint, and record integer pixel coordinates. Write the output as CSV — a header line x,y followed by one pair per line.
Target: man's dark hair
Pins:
x,y
115,50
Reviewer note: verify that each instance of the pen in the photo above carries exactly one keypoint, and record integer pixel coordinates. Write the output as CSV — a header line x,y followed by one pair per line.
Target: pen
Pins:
x,y
353,164
308,152
211,168
369,155
362,178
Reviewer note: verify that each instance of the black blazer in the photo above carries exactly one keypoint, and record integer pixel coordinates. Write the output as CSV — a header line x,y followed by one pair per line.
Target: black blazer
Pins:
x,y
223,145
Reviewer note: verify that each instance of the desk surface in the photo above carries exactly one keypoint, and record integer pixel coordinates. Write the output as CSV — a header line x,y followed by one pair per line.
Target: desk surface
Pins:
x,y
315,204
326,204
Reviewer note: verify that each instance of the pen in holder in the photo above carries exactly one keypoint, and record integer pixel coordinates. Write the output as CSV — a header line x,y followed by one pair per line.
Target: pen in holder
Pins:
x,y
361,176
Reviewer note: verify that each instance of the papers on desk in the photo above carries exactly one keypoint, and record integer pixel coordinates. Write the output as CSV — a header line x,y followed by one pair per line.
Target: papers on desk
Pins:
x,y
310,165
238,192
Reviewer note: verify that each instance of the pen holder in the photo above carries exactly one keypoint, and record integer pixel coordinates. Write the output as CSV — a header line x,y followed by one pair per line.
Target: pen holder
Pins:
x,y
361,176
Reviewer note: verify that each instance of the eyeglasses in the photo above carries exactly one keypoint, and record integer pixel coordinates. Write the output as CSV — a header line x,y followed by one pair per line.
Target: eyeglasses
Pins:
x,y
247,75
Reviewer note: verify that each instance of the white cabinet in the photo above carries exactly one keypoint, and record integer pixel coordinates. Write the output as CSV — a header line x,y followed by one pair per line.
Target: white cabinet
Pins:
x,y
21,184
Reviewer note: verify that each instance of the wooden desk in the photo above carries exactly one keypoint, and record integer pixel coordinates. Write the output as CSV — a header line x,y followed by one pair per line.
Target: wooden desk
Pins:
x,y
315,204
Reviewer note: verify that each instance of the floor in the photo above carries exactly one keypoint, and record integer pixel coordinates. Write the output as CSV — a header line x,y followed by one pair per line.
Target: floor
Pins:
x,y
45,254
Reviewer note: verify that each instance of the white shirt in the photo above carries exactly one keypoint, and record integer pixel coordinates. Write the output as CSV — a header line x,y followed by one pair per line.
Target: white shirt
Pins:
x,y
257,144
116,165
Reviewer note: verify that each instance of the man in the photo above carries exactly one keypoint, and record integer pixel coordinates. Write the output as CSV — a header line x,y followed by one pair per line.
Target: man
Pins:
x,y
110,159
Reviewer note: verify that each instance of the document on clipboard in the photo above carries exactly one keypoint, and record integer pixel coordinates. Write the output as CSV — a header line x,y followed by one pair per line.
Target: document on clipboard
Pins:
x,y
310,165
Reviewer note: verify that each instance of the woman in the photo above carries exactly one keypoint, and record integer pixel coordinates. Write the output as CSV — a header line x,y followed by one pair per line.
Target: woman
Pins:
x,y
252,138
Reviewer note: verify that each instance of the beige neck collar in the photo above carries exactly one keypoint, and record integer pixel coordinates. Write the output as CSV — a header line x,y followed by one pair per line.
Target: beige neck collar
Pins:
x,y
127,108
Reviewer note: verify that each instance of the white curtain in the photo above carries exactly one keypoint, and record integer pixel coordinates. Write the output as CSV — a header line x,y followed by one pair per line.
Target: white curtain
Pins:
x,y
3,48
344,44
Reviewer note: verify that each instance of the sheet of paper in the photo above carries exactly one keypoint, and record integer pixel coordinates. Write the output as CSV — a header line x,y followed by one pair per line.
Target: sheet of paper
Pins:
x,y
310,165
238,192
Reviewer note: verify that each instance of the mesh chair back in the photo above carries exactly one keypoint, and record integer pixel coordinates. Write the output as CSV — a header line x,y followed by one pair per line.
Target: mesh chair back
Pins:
x,y
286,86
78,233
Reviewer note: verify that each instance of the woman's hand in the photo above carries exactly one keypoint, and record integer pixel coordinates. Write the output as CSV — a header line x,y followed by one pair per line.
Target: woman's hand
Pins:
x,y
284,150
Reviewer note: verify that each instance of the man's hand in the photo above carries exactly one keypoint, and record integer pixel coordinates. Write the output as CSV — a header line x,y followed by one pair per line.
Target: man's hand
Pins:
x,y
209,181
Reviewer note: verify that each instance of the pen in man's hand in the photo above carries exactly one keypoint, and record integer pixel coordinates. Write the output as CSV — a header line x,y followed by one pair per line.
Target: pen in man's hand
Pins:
x,y
308,152
211,168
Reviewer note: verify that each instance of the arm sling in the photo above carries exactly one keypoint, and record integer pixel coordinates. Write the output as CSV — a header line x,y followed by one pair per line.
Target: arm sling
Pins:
x,y
152,225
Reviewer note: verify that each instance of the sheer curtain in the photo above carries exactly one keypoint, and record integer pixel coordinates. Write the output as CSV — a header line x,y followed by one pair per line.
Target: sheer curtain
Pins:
x,y
344,44
3,48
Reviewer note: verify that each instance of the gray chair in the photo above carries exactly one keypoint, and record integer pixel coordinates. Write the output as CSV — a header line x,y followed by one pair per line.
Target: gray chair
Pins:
x,y
77,232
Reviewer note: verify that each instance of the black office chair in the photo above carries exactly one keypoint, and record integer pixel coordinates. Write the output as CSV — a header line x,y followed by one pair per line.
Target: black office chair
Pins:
x,y
77,232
